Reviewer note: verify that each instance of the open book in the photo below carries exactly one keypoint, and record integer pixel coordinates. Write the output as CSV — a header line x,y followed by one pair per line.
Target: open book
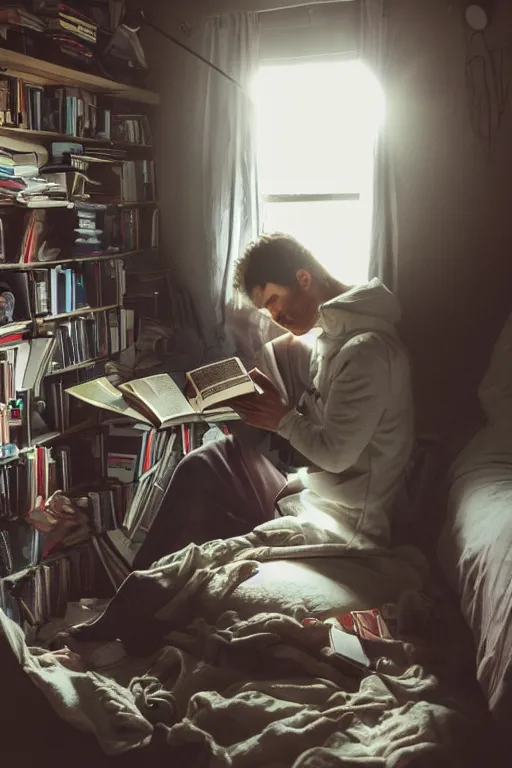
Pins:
x,y
157,400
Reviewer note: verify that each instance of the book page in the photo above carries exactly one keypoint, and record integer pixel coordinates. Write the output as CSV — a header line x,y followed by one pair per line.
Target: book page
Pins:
x,y
162,396
102,394
221,372
217,382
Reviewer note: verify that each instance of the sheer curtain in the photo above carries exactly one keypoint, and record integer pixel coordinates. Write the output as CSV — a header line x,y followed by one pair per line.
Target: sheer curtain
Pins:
x,y
375,51
207,165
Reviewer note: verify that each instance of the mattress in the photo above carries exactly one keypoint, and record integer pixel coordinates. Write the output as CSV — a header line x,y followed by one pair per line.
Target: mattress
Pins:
x,y
475,551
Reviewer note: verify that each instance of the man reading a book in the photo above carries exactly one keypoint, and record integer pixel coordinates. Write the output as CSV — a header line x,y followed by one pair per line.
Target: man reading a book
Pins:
x,y
351,422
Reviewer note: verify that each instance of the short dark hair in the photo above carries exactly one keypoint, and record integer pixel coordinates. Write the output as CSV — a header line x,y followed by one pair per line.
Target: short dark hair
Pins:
x,y
275,259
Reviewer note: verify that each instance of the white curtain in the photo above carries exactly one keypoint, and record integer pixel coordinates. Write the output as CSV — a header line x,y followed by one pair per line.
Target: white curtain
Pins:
x,y
207,165
375,51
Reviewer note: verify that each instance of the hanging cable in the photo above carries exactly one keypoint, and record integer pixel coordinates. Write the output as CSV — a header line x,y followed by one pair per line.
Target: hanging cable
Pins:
x,y
177,42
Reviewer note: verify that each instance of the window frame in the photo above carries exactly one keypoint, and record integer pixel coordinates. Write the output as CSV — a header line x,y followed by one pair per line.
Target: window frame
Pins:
x,y
313,198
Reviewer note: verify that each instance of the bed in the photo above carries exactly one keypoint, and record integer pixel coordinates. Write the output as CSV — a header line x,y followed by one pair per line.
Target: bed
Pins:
x,y
475,548
219,669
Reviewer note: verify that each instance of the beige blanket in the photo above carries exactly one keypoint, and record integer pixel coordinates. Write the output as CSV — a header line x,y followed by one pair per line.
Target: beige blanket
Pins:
x,y
224,690
253,693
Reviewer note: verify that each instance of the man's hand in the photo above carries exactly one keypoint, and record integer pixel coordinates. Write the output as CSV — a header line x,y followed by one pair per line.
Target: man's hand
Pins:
x,y
264,411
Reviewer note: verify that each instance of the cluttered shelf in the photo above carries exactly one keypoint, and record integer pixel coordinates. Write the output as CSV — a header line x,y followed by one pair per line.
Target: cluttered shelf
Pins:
x,y
24,572
104,257
17,576
44,72
11,453
56,136
79,236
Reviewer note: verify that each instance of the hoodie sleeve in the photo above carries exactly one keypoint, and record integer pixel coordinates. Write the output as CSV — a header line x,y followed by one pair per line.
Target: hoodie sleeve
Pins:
x,y
354,407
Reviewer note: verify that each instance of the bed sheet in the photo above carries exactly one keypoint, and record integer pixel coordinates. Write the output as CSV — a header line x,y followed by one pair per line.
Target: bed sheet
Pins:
x,y
475,551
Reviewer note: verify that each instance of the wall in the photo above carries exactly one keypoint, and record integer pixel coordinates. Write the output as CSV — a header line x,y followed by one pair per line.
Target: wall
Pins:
x,y
179,156
454,209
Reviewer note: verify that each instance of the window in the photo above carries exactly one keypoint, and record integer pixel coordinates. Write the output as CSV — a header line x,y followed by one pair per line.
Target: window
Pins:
x,y
317,123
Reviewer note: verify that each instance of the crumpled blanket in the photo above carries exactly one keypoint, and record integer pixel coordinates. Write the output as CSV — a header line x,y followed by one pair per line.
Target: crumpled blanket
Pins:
x,y
264,694
258,693
150,603
91,702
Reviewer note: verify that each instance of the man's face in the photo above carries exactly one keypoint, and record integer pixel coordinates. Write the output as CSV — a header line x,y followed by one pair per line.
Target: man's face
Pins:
x,y
296,308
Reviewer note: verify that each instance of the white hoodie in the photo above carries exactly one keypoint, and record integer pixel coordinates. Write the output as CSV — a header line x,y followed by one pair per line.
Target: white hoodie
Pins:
x,y
356,420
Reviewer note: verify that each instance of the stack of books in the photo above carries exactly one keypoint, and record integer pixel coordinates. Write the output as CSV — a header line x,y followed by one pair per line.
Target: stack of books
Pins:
x,y
146,473
17,17
89,239
138,181
23,487
139,228
70,28
21,182
86,231
61,109
60,413
79,340
58,290
105,509
131,128
62,18
65,290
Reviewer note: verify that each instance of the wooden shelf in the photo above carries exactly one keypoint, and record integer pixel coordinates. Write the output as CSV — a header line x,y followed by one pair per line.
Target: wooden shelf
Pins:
x,y
51,558
134,204
13,203
77,366
70,204
41,72
77,312
54,136
48,437
105,257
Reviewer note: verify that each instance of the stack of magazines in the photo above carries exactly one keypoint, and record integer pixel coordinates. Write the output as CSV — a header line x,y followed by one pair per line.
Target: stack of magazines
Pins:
x,y
21,182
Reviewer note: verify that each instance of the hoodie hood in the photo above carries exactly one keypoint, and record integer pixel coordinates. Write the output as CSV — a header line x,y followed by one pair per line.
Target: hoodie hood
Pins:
x,y
369,307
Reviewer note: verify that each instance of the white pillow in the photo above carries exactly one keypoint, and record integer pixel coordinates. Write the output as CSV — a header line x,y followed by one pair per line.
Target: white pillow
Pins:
x,y
495,391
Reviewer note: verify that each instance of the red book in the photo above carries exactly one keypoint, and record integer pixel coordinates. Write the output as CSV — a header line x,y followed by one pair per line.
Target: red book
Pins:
x,y
11,338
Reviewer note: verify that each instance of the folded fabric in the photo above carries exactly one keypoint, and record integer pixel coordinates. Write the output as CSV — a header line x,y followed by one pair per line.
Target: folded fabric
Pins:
x,y
91,702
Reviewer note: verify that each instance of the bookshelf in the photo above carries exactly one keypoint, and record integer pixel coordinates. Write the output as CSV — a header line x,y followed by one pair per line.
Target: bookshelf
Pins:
x,y
55,136
79,312
143,253
48,443
40,72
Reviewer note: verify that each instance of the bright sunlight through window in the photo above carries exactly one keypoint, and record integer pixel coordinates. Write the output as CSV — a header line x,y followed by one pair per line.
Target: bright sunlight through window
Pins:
x,y
317,125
